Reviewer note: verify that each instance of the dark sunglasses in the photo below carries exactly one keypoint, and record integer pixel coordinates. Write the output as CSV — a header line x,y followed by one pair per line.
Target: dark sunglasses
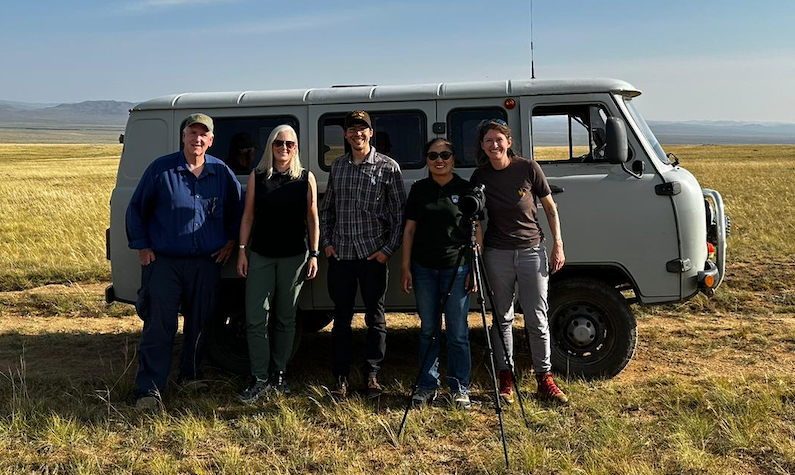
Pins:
x,y
432,156
279,143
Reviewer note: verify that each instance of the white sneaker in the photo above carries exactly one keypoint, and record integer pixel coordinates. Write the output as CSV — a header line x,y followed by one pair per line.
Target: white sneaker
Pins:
x,y
461,400
423,396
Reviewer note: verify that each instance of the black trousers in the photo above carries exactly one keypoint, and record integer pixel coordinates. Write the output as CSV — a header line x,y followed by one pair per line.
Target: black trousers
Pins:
x,y
169,285
344,276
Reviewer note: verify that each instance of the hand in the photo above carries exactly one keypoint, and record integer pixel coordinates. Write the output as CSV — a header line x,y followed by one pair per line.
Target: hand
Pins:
x,y
379,256
311,268
474,284
222,255
242,264
146,256
558,259
406,281
330,251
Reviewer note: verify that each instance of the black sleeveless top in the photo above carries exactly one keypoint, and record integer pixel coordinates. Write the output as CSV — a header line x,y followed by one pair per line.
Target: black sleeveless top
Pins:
x,y
280,214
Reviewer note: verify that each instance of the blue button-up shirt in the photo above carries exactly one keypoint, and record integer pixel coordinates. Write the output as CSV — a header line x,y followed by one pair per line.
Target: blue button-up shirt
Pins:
x,y
177,214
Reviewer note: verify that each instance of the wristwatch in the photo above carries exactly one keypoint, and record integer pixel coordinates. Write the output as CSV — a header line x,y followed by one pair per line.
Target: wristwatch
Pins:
x,y
314,253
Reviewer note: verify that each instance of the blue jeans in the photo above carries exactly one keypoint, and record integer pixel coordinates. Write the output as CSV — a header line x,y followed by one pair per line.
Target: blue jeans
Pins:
x,y
430,286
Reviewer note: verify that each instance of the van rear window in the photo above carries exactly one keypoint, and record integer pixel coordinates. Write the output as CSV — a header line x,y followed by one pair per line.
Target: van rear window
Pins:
x,y
398,134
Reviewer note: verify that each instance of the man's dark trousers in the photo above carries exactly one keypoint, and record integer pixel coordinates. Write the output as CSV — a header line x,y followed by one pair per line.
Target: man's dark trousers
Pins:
x,y
169,284
344,276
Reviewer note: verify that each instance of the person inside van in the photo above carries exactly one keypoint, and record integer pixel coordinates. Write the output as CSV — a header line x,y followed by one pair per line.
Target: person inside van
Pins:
x,y
435,231
241,153
515,254
362,223
280,193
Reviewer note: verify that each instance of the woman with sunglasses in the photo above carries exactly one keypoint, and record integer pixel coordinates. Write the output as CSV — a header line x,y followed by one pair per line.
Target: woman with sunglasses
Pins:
x,y
280,193
435,231
515,254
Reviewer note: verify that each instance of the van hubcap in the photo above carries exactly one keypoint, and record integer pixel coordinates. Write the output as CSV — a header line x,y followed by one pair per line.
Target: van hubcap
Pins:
x,y
584,330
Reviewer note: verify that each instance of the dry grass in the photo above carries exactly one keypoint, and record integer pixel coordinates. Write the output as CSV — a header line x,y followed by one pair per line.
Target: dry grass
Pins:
x,y
709,391
55,212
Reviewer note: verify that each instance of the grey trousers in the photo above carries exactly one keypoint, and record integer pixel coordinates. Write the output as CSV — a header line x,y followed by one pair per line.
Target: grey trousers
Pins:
x,y
529,269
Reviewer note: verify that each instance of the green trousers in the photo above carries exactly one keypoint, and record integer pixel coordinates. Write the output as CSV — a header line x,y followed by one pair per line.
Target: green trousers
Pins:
x,y
272,289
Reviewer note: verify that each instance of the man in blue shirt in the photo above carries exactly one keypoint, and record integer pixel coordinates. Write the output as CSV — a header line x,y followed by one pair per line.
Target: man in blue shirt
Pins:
x,y
184,220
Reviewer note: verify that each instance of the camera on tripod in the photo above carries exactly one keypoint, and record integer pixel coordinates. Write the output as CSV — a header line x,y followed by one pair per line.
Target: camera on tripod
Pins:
x,y
474,202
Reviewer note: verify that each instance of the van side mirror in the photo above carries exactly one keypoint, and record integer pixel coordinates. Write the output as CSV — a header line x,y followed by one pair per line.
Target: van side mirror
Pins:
x,y
616,149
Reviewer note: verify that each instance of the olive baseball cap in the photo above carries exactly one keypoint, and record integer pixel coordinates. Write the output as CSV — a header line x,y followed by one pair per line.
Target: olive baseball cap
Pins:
x,y
358,117
202,119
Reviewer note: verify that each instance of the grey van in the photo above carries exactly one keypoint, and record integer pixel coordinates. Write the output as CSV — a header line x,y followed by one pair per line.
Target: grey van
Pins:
x,y
637,226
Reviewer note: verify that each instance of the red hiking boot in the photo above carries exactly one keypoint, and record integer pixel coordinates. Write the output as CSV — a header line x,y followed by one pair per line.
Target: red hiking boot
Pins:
x,y
548,390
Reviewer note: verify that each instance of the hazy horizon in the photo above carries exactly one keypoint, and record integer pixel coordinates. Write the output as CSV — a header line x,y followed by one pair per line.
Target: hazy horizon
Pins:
x,y
709,60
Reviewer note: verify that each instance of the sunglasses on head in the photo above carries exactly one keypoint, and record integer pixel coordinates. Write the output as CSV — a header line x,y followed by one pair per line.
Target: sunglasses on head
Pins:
x,y
280,143
486,122
443,155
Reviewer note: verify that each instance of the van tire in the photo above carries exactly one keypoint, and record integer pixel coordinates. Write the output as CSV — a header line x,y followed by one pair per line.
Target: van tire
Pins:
x,y
593,332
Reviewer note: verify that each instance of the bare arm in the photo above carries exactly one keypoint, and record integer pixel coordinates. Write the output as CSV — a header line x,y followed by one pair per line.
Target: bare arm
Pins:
x,y
246,223
408,243
313,225
557,257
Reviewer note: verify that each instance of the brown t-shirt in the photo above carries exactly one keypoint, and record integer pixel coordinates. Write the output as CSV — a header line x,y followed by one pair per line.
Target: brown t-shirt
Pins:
x,y
511,203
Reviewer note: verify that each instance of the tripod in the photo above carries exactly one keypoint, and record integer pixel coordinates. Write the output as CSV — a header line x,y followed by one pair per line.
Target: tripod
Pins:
x,y
480,281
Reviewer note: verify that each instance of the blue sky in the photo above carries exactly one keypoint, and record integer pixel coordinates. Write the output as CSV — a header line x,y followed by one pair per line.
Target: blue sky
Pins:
x,y
711,60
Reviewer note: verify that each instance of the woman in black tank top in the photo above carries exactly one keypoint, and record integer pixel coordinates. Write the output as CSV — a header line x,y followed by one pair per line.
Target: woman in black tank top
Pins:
x,y
280,230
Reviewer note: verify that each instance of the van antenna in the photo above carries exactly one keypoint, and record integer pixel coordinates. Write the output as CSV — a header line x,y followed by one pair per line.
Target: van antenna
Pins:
x,y
532,52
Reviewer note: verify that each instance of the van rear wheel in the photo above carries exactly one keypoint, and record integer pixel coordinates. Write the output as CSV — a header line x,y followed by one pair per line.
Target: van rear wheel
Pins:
x,y
593,333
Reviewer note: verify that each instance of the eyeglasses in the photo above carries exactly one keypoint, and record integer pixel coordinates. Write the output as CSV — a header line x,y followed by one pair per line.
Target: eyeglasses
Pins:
x,y
280,143
432,156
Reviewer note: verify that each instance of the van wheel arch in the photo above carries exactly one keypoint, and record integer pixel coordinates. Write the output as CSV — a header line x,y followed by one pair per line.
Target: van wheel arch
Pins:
x,y
593,332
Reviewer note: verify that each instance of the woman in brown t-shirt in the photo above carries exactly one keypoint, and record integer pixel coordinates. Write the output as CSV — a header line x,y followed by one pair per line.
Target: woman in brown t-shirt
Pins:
x,y
514,253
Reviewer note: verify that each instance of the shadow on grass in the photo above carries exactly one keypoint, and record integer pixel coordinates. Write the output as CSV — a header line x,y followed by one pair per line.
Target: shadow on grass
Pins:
x,y
53,370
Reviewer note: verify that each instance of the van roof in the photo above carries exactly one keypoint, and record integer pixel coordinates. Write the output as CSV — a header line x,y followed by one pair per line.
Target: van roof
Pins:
x,y
364,94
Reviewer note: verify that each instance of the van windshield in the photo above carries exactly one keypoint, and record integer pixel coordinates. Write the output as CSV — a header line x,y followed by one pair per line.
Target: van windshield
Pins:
x,y
646,131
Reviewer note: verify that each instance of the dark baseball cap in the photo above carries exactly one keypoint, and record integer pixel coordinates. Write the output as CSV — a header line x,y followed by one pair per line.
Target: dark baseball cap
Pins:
x,y
358,117
202,119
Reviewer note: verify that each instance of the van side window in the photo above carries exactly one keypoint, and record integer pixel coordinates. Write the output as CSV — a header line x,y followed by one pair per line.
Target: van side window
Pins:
x,y
463,132
569,133
237,137
399,134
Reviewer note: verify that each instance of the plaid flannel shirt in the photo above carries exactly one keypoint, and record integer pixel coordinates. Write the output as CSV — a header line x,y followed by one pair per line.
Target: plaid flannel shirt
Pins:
x,y
362,211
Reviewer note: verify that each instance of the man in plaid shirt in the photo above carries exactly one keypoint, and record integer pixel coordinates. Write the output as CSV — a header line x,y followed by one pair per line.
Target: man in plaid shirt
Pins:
x,y
361,227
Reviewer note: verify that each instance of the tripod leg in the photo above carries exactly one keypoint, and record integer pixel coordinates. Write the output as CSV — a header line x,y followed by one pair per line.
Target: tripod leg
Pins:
x,y
487,290
478,273
434,336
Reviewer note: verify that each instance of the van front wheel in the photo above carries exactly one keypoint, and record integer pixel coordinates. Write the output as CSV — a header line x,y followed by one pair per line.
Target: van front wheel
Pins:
x,y
593,332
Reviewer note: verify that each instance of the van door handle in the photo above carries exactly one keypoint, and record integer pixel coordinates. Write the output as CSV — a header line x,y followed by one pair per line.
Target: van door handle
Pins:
x,y
556,189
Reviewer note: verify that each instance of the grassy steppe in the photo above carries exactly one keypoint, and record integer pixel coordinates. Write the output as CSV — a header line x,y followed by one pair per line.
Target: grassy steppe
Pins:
x,y
709,391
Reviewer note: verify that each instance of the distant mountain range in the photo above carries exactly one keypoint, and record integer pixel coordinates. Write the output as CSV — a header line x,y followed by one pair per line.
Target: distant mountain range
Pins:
x,y
110,116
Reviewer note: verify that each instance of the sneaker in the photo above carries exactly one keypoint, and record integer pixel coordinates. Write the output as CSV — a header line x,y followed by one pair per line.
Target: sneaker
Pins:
x,y
461,400
278,382
256,390
148,404
423,396
373,388
341,389
548,390
506,386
